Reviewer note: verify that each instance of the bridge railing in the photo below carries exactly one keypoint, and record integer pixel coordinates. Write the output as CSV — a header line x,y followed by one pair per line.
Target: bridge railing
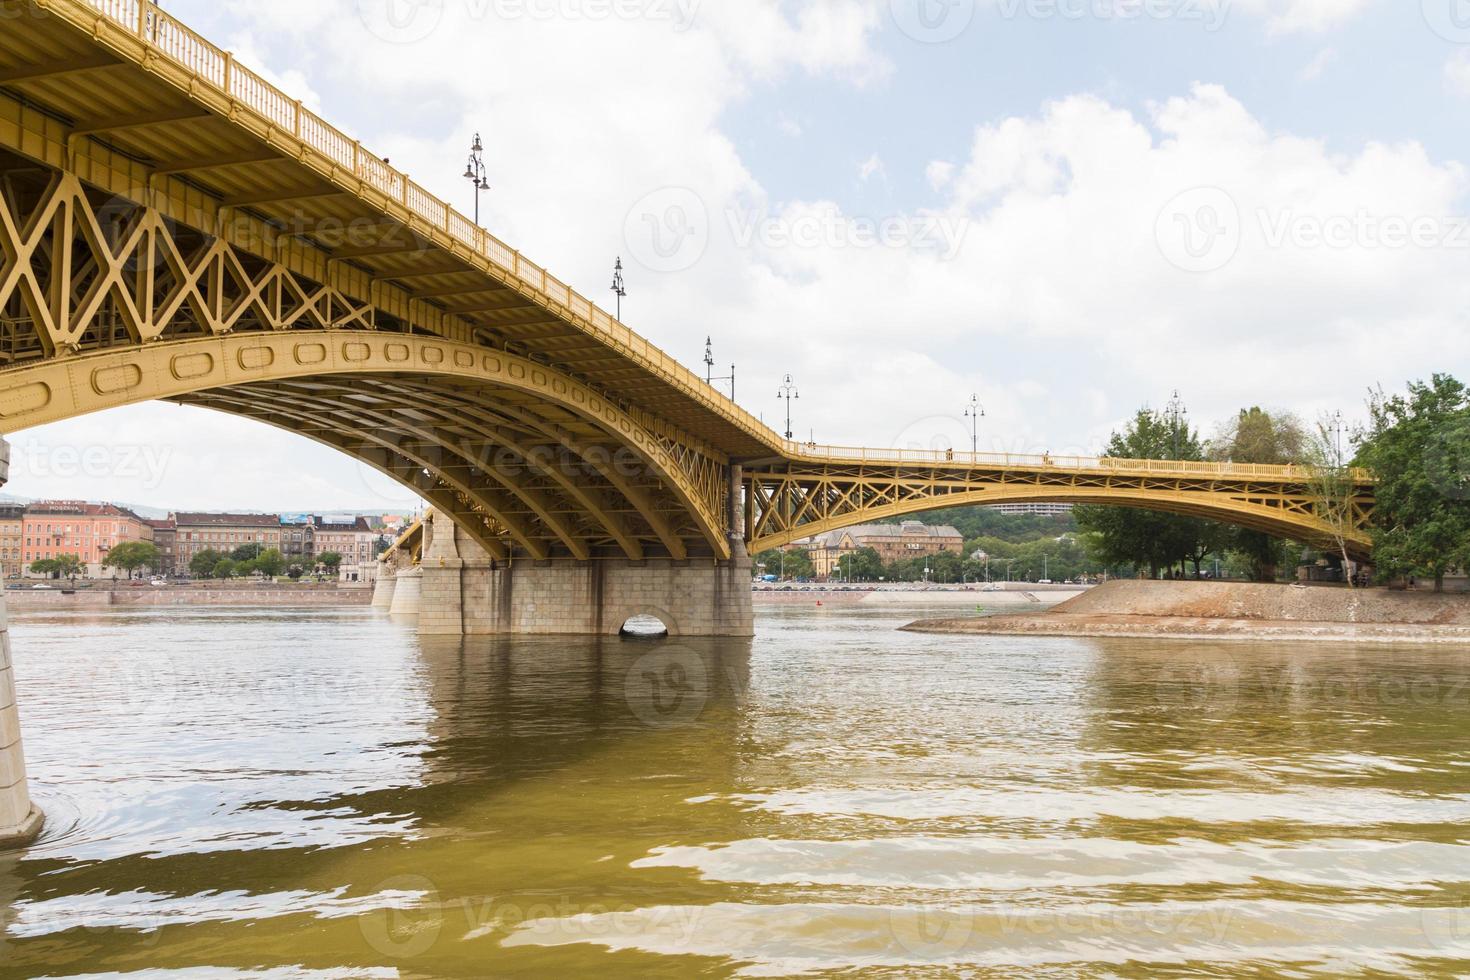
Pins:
x,y
1032,461
216,67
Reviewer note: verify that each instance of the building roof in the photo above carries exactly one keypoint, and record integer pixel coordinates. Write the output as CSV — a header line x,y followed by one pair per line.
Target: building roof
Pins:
x,y
79,508
869,532
360,525
160,524
227,520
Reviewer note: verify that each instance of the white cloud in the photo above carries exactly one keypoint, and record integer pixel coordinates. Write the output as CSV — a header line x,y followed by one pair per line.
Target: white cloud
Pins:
x,y
1303,16
1457,73
872,167
1313,69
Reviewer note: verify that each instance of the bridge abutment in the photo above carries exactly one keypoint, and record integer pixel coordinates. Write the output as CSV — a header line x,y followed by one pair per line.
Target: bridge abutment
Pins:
x,y
20,819
464,592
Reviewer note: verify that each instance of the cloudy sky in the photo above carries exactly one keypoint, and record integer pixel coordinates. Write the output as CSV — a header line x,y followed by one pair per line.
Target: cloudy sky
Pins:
x,y
1069,207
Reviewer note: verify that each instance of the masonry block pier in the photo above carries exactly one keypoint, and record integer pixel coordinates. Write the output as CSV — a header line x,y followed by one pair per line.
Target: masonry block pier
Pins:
x,y
457,589
20,820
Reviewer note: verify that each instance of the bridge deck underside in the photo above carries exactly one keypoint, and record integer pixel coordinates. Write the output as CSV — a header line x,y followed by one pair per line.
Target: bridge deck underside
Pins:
x,y
521,474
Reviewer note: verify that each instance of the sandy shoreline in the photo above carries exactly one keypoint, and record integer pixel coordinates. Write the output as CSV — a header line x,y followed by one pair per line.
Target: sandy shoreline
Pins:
x,y
1232,611
1182,628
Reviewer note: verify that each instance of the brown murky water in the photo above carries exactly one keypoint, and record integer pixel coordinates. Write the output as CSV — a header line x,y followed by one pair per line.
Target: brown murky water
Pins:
x,y
303,794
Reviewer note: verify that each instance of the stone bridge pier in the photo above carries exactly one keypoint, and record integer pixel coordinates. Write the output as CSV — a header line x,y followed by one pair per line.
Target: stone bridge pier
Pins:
x,y
20,820
460,590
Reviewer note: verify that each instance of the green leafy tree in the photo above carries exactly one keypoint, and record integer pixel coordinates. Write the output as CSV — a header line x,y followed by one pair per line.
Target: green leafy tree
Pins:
x,y
1142,538
62,566
862,565
794,563
227,568
330,560
204,563
1271,438
130,556
270,562
1418,446
295,572
247,552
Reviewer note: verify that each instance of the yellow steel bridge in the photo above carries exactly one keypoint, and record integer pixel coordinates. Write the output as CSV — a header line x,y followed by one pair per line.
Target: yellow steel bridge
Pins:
x,y
174,227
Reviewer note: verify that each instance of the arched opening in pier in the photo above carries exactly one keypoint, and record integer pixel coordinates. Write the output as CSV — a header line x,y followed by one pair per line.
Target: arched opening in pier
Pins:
x,y
643,627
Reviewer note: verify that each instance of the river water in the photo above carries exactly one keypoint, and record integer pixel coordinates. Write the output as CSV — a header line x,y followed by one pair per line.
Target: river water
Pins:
x,y
313,793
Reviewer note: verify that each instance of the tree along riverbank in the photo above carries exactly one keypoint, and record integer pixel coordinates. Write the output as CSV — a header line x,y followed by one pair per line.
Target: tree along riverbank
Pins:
x,y
1229,610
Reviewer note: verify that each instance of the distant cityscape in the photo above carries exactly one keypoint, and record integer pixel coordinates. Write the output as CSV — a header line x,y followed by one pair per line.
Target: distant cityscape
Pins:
x,y
47,529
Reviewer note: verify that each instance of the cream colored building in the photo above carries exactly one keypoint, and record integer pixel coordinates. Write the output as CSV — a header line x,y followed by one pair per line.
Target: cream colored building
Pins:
x,y
12,519
892,542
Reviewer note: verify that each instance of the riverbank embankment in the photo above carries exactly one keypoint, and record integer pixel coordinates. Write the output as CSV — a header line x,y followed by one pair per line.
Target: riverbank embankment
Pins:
x,y
1232,610
1012,597
124,597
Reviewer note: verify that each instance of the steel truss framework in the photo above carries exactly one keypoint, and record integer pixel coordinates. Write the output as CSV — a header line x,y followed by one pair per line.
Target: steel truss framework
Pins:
x,y
791,501
104,306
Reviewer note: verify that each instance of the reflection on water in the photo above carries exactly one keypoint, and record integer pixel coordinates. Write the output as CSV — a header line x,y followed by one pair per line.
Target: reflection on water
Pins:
x,y
299,793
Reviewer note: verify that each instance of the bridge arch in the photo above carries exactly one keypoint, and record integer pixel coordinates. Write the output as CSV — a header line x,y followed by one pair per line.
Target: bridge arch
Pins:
x,y
1286,515
513,450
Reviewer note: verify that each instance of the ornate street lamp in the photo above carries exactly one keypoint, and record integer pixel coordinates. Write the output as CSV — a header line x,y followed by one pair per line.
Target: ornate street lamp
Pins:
x,y
788,391
1177,415
619,290
975,412
474,172
709,367
1337,427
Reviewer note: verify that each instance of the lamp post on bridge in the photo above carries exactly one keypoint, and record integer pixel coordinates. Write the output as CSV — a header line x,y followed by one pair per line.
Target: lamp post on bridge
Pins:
x,y
619,290
709,368
1336,426
1177,414
975,412
474,172
788,391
